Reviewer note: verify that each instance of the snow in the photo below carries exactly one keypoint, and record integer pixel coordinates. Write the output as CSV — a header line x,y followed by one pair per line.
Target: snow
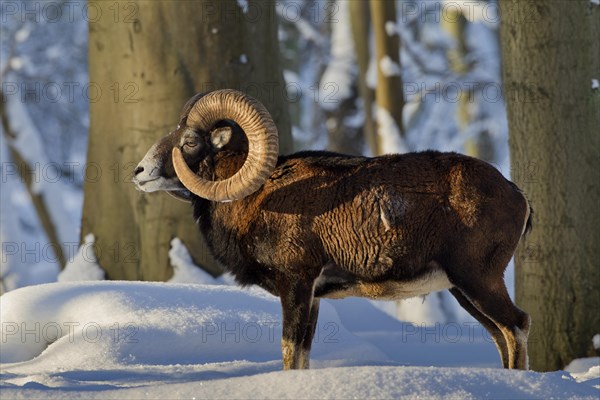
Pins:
x,y
371,74
307,31
84,266
341,68
165,340
390,28
185,271
336,383
16,63
473,11
585,370
24,259
595,82
584,365
425,311
23,34
389,67
388,131
243,5
47,180
596,341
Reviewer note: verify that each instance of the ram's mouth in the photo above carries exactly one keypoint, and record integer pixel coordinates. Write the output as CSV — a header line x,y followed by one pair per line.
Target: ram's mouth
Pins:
x,y
142,183
158,183
139,184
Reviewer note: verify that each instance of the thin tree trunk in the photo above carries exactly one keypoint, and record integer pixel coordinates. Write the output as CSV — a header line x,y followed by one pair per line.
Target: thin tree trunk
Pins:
x,y
454,23
360,18
39,204
147,59
550,56
344,137
388,94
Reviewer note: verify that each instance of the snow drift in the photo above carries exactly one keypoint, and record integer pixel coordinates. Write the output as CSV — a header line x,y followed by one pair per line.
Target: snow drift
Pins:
x,y
166,340
106,324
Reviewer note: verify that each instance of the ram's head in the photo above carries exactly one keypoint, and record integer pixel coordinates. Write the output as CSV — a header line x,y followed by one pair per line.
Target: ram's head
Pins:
x,y
209,124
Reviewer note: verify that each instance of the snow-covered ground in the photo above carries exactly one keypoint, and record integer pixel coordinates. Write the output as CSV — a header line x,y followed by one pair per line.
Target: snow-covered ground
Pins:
x,y
170,340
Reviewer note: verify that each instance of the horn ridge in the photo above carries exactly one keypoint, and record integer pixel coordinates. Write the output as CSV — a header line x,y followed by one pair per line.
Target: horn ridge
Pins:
x,y
263,145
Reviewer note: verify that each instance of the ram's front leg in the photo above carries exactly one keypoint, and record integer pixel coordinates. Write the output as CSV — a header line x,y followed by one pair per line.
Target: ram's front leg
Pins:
x,y
296,302
309,334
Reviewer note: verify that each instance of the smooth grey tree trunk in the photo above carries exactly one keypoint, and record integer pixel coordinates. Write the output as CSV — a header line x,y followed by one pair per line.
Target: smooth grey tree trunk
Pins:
x,y
551,54
146,59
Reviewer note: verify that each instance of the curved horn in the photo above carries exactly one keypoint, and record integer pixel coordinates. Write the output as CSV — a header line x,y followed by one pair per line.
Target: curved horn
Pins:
x,y
263,145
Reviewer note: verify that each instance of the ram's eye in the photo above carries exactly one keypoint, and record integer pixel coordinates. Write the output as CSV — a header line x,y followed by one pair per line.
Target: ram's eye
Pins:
x,y
191,145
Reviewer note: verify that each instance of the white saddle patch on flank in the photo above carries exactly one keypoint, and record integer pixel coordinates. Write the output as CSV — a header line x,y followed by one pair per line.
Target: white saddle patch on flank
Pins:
x,y
396,290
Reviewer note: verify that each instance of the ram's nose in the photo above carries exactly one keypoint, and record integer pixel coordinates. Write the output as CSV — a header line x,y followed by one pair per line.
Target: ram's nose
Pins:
x,y
139,169
144,173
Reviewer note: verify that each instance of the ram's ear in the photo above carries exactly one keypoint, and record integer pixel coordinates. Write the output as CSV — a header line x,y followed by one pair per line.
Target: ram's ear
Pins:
x,y
220,137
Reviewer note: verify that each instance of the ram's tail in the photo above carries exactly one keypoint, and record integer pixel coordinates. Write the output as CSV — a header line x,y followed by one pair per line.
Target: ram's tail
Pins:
x,y
529,221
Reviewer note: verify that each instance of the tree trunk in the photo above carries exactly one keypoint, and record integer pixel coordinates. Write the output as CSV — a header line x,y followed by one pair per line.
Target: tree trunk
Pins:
x,y
455,24
344,134
26,176
360,19
388,94
146,59
550,56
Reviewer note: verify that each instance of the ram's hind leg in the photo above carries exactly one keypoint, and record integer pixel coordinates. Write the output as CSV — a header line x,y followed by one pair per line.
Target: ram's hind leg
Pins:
x,y
490,297
487,323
